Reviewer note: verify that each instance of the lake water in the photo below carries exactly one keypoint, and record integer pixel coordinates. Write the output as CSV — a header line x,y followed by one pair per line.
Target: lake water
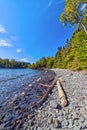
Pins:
x,y
12,80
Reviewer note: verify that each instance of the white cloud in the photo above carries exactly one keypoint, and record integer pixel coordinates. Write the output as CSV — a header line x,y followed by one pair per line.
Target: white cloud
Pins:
x,y
2,29
24,60
19,50
5,43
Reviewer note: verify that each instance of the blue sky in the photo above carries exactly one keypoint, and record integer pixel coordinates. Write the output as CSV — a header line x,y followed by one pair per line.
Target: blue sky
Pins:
x,y
31,29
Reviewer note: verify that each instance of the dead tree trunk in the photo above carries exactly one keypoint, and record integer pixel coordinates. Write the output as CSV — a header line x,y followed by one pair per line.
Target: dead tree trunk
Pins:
x,y
62,95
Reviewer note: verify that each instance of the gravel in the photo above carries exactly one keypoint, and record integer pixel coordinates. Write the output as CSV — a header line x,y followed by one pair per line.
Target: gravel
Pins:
x,y
52,116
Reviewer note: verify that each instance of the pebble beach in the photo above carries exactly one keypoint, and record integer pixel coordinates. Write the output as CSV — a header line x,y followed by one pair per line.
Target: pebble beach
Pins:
x,y
51,115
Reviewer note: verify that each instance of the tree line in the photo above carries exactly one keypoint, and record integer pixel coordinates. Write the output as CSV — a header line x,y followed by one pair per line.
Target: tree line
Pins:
x,y
6,63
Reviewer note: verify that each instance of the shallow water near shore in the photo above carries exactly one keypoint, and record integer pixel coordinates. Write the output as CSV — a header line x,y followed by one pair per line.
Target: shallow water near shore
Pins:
x,y
19,91
12,80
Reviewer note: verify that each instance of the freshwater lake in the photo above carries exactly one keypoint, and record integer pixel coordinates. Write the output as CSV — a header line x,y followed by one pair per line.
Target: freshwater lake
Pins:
x,y
12,80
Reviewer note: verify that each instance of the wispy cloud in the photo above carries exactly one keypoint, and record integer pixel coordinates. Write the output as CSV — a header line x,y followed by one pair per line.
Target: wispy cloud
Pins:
x,y
2,29
19,50
46,7
50,3
5,43
24,60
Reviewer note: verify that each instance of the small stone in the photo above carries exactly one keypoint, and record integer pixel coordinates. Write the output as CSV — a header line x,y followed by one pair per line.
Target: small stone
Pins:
x,y
53,104
32,128
2,117
65,122
36,127
50,120
56,123
84,127
77,127
16,107
30,85
61,80
2,126
81,119
57,110
75,122
38,79
70,123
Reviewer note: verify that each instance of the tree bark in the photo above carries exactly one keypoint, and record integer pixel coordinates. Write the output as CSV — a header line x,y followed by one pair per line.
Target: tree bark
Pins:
x,y
84,27
62,95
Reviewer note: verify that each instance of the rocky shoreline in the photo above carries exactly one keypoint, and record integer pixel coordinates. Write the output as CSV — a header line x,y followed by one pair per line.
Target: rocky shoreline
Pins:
x,y
50,115
15,111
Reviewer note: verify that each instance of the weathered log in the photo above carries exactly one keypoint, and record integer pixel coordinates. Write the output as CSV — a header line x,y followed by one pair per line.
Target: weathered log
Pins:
x,y
39,103
62,95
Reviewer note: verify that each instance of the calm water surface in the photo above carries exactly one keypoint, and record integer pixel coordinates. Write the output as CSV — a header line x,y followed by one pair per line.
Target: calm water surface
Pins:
x,y
12,80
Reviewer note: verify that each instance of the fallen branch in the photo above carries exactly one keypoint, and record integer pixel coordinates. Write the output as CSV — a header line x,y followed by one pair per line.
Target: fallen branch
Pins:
x,y
44,85
62,95
39,97
39,103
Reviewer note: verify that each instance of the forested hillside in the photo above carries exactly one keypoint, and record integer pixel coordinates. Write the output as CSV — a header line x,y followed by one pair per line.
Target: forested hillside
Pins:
x,y
74,54
6,63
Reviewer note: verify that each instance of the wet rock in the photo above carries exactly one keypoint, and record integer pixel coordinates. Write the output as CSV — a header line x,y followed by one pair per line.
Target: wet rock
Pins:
x,y
38,79
2,126
2,117
16,107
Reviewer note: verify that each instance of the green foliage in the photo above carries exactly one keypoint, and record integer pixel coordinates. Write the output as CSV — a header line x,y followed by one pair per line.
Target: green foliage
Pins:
x,y
75,56
6,63
75,12
50,62
43,63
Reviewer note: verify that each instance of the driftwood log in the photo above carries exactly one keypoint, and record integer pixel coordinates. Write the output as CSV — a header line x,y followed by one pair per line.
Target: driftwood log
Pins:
x,y
44,85
40,102
62,95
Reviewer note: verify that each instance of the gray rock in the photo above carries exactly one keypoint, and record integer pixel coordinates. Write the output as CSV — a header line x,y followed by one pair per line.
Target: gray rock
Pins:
x,y
76,127
65,122
56,123
2,126
70,123
81,119
50,120
53,103
76,122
